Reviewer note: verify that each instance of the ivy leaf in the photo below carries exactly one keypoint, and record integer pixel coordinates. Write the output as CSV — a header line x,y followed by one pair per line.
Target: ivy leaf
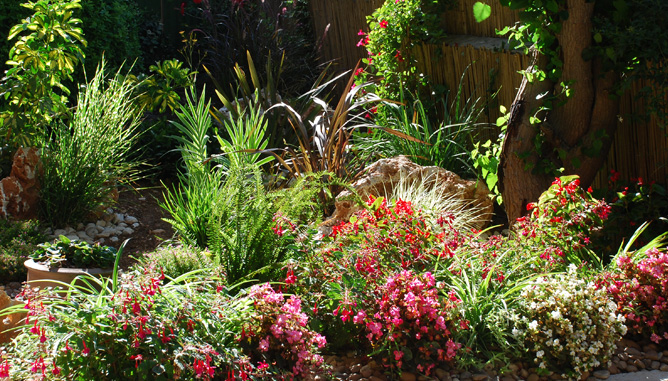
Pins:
x,y
481,11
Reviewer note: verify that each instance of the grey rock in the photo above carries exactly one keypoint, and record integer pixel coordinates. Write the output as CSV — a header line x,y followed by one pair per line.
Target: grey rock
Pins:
x,y
80,226
101,223
158,231
59,232
128,231
83,236
653,355
135,225
91,232
130,220
663,368
122,225
602,374
73,237
70,230
113,239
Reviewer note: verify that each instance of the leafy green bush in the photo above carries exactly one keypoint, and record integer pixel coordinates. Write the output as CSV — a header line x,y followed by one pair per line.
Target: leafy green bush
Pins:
x,y
175,261
65,252
84,161
631,203
48,47
226,210
112,30
395,29
18,239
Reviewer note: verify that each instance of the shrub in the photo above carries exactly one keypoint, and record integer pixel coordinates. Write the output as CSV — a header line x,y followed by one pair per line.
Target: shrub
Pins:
x,y
18,239
360,281
84,161
175,261
146,327
631,203
278,333
567,325
408,320
640,289
561,223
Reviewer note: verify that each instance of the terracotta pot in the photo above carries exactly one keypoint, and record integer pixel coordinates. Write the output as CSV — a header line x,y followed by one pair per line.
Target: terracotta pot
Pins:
x,y
42,276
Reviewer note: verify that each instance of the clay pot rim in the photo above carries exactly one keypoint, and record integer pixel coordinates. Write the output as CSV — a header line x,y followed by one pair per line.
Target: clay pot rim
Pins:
x,y
31,264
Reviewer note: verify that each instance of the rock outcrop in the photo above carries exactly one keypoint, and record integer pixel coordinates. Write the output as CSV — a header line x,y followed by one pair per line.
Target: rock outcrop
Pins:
x,y
19,192
380,178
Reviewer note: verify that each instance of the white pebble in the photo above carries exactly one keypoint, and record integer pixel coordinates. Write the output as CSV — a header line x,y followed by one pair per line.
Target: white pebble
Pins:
x,y
113,239
101,223
128,231
130,220
59,232
135,225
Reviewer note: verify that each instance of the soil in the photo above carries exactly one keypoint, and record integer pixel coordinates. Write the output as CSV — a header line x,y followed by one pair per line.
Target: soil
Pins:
x,y
142,201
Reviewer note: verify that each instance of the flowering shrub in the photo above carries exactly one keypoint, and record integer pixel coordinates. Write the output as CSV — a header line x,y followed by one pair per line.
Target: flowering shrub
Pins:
x,y
394,30
407,318
148,330
370,280
567,325
641,293
559,226
277,333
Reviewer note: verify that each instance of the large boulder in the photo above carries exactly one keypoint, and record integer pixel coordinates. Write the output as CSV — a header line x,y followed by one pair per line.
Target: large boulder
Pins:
x,y
19,192
380,178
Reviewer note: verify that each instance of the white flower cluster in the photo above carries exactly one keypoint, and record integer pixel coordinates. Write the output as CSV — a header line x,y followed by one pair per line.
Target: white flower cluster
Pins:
x,y
567,325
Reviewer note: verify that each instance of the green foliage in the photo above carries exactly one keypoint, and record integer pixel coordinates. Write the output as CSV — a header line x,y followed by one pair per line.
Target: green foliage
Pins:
x,y
631,203
394,30
630,37
271,30
18,239
175,261
65,252
85,160
410,130
158,92
481,11
192,204
47,49
244,136
112,29
241,233
486,158
227,211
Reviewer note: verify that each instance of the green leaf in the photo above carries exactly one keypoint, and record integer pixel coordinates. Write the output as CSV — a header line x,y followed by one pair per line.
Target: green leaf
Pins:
x,y
481,11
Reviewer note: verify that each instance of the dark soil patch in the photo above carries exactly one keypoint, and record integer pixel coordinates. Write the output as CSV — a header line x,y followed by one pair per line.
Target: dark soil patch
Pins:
x,y
142,201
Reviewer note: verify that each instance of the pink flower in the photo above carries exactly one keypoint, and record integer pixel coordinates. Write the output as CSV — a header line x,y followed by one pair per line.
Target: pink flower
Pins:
x,y
4,369
383,24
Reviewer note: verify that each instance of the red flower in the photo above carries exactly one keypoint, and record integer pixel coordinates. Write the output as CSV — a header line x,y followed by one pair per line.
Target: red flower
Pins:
x,y
383,24
197,1
182,10
399,57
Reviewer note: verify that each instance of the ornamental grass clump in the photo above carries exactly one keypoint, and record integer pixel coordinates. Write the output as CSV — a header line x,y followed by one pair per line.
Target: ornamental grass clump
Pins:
x,y
566,325
640,289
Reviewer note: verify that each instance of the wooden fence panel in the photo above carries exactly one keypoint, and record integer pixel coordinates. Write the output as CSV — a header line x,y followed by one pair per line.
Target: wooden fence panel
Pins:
x,y
640,148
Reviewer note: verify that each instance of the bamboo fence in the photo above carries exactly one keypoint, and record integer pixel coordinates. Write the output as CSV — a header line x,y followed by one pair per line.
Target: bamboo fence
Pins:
x,y
640,148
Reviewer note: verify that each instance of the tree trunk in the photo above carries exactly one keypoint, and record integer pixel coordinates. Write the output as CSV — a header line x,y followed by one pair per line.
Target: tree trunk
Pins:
x,y
576,136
